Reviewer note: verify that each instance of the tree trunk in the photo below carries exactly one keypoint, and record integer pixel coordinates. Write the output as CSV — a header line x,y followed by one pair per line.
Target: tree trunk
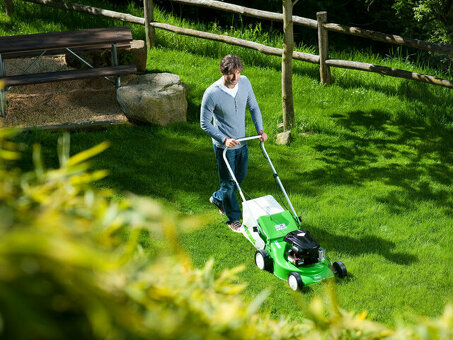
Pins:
x,y
287,66
149,17
9,7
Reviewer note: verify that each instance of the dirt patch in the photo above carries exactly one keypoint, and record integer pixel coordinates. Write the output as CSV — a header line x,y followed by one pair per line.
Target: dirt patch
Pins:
x,y
53,104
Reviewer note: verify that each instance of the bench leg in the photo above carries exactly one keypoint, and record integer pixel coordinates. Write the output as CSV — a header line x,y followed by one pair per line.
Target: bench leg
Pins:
x,y
115,63
84,61
3,100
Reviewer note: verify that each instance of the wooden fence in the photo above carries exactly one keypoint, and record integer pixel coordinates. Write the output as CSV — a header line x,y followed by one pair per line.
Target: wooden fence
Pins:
x,y
321,25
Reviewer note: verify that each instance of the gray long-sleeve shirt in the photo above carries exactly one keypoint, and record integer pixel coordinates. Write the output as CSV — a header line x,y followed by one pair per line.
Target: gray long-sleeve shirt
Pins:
x,y
226,113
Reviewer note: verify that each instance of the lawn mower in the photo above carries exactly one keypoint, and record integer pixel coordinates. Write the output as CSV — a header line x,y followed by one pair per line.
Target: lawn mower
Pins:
x,y
283,247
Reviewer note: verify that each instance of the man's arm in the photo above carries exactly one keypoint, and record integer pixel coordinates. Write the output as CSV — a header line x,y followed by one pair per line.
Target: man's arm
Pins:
x,y
255,113
206,116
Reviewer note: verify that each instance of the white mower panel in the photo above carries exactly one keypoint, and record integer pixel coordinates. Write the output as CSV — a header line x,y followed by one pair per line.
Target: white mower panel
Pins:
x,y
254,209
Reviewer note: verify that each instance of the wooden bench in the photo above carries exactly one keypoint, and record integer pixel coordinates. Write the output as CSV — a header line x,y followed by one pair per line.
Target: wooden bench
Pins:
x,y
37,45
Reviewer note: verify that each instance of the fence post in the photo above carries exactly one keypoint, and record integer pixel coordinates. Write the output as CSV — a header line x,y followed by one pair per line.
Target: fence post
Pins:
x,y
287,65
9,7
323,46
149,17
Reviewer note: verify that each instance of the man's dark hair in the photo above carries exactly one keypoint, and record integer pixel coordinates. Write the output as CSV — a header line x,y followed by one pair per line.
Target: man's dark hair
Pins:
x,y
230,63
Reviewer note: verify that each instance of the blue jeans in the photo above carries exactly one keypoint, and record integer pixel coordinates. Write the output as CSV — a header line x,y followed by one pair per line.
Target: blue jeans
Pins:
x,y
238,160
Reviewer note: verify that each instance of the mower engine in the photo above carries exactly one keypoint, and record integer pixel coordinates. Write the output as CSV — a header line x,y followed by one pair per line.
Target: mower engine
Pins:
x,y
304,248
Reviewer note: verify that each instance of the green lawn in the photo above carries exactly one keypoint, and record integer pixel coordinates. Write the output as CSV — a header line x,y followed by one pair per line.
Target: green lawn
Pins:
x,y
369,170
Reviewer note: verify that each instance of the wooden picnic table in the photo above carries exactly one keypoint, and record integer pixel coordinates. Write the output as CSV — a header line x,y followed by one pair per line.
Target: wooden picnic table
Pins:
x,y
31,45
62,40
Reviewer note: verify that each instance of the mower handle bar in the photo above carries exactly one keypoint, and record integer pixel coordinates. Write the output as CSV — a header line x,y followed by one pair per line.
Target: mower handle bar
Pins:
x,y
243,139
270,163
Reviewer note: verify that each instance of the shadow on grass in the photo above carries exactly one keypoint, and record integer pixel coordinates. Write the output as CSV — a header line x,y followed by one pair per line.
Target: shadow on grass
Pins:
x,y
176,163
368,244
411,90
412,159
161,163
409,155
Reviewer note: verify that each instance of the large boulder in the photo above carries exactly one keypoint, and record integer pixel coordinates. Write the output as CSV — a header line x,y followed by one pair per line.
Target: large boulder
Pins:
x,y
156,98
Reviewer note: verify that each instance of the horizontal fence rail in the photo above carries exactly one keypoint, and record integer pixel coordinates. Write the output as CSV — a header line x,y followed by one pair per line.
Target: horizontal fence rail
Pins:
x,y
311,58
390,38
389,71
359,32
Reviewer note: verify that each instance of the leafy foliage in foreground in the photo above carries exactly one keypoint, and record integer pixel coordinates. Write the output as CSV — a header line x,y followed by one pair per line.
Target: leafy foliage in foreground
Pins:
x,y
72,264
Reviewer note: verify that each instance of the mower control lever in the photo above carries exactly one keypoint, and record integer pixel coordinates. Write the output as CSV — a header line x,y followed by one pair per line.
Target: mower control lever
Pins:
x,y
243,139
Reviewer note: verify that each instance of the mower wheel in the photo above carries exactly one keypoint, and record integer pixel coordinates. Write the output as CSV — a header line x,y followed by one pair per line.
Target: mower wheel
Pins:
x,y
339,269
295,281
263,261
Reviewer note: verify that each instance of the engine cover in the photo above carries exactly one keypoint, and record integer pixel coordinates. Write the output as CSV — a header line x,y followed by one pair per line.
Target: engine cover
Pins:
x,y
304,248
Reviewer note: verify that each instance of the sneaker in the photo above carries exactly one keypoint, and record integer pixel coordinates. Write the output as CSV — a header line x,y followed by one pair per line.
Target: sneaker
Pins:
x,y
219,206
236,226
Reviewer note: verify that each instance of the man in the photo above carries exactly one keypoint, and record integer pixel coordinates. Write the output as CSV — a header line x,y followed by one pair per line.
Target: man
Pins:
x,y
223,118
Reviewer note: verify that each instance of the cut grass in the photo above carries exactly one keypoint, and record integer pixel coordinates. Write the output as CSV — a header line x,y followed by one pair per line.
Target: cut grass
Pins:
x,y
369,170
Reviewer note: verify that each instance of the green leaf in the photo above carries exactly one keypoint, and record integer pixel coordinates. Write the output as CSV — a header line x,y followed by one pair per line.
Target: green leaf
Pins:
x,y
84,155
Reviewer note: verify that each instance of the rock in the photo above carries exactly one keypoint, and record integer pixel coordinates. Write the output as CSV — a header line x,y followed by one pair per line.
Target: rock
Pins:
x,y
138,50
156,98
283,138
136,55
